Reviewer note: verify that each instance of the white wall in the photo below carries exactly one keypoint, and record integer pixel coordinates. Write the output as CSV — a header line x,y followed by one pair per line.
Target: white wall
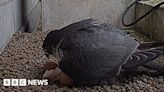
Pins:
x,y
9,20
30,5
32,11
59,13
11,17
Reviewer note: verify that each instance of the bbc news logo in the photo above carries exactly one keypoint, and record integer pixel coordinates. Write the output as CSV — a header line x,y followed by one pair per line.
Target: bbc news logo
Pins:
x,y
24,82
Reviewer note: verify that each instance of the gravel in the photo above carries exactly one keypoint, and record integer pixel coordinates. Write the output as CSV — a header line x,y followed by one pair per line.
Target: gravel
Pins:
x,y
24,57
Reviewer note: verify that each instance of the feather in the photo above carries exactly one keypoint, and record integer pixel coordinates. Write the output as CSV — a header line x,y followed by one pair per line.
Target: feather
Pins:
x,y
92,51
95,52
144,57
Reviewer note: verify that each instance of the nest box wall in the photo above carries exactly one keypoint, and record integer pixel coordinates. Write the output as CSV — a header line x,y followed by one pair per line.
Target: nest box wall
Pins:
x,y
153,24
13,14
59,13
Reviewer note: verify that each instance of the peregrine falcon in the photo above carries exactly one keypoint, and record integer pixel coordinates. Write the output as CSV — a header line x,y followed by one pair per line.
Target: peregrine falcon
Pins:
x,y
91,51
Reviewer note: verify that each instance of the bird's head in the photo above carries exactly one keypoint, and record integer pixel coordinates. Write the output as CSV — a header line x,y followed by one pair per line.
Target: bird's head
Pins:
x,y
48,44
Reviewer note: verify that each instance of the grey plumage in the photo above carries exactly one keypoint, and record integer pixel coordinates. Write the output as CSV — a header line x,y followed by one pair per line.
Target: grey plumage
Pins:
x,y
144,57
94,51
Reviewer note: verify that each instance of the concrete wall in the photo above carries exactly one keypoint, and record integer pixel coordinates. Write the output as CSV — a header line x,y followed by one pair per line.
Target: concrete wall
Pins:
x,y
10,20
15,14
11,17
152,25
32,12
59,13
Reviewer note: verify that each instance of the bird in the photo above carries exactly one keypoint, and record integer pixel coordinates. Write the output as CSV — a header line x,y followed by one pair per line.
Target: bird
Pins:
x,y
91,51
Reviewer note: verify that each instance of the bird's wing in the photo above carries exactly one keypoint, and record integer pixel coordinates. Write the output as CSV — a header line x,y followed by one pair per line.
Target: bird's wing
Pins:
x,y
86,64
79,25
95,52
54,38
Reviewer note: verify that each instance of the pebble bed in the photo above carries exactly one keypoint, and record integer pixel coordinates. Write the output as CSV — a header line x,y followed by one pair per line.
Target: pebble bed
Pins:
x,y
24,58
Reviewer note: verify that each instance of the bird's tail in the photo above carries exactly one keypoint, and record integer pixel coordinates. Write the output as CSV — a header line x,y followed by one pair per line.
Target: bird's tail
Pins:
x,y
149,45
155,66
144,57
